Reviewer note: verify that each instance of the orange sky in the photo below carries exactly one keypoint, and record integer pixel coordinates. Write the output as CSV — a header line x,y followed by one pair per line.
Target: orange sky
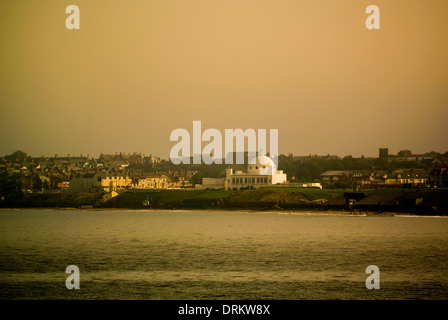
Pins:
x,y
136,70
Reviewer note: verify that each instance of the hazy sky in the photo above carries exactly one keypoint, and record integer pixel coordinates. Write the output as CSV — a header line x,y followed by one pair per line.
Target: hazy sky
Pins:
x,y
136,70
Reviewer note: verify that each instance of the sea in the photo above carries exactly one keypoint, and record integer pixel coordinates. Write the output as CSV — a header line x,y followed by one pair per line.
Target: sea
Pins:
x,y
221,255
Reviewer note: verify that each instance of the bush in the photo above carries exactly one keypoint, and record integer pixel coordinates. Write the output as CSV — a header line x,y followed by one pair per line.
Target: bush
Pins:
x,y
341,185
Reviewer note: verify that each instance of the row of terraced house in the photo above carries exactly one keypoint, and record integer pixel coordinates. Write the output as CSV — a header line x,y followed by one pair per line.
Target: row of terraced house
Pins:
x,y
437,176
86,174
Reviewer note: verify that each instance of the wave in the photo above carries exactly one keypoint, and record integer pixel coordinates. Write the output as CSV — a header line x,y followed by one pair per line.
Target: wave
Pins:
x,y
417,216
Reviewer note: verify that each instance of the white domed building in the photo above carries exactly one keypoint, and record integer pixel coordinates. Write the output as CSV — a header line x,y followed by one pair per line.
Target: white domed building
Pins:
x,y
262,172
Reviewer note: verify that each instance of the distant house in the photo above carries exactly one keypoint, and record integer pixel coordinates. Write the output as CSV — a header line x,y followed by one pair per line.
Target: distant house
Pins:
x,y
151,160
103,181
438,176
407,176
82,183
110,182
45,181
361,177
333,176
122,159
64,185
212,183
151,182
114,161
183,180
419,157
367,178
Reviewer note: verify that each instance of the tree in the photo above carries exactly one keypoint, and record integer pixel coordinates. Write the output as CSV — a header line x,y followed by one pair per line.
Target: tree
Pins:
x,y
196,178
20,155
404,153
435,154
36,183
382,164
341,185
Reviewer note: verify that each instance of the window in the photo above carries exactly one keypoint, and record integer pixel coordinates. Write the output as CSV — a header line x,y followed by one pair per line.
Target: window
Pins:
x,y
233,180
245,180
258,180
265,180
256,167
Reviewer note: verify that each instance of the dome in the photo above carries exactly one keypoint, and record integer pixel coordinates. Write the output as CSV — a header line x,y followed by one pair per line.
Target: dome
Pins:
x,y
262,165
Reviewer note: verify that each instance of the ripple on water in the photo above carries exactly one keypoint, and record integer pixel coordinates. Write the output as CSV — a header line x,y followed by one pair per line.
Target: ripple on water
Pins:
x,y
220,255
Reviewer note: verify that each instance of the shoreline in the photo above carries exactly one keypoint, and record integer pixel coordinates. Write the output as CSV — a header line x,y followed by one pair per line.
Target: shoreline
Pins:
x,y
285,212
372,203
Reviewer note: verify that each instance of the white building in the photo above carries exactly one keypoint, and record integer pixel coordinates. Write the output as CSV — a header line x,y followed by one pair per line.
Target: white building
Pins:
x,y
262,173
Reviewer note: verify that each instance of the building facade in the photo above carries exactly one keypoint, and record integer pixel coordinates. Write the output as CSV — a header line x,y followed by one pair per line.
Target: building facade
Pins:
x,y
152,183
261,173
103,182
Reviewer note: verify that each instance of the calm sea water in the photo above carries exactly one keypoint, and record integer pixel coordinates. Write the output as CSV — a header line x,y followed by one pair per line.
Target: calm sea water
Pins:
x,y
220,255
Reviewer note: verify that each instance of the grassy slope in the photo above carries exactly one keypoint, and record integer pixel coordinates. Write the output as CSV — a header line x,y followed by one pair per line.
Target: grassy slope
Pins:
x,y
232,198
271,195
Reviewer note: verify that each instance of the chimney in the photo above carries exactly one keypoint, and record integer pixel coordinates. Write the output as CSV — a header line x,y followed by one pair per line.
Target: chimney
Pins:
x,y
68,155
56,155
